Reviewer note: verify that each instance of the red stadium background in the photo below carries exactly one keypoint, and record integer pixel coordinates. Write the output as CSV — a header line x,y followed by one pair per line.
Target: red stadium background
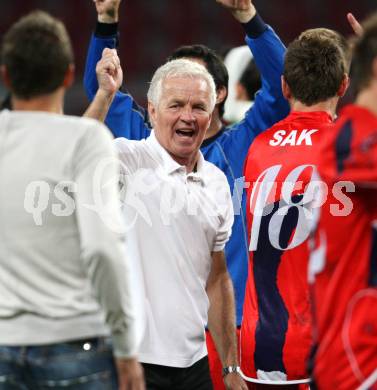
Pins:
x,y
151,29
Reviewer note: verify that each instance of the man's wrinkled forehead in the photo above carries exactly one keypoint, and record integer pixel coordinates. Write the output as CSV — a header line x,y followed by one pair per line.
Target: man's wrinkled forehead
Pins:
x,y
185,87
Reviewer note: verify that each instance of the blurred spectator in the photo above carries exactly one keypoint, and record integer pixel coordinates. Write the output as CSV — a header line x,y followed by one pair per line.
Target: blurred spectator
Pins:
x,y
244,82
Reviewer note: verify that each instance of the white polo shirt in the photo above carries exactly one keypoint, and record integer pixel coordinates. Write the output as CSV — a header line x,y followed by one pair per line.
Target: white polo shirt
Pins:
x,y
174,221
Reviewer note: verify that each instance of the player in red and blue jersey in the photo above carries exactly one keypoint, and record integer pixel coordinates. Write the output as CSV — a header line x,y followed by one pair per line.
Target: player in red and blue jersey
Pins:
x,y
343,264
280,169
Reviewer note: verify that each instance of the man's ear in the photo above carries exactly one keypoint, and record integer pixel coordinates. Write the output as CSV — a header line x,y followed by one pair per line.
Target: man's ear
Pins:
x,y
221,94
343,86
210,118
285,89
69,76
152,113
5,76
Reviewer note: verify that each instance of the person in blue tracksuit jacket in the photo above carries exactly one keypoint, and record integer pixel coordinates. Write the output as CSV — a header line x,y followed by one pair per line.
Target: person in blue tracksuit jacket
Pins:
x,y
226,147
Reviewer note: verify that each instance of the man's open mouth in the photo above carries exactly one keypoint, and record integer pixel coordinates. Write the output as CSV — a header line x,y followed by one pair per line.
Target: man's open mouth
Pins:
x,y
185,133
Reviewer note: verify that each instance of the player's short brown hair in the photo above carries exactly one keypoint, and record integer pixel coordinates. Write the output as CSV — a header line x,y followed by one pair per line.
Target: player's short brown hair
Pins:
x,y
315,65
36,52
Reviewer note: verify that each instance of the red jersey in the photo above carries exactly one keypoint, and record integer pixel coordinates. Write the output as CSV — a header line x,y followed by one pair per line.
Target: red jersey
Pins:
x,y
343,265
276,328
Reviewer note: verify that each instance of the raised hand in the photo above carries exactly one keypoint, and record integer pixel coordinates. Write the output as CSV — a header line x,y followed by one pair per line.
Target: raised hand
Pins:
x,y
109,72
355,25
107,10
242,10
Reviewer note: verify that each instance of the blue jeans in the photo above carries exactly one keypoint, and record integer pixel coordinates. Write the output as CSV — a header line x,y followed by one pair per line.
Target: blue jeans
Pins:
x,y
78,365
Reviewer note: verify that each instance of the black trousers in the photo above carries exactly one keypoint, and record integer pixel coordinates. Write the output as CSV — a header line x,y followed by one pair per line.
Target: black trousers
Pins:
x,y
196,377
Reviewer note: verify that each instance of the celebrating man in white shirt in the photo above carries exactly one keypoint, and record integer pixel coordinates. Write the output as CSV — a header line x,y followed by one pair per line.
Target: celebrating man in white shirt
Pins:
x,y
179,213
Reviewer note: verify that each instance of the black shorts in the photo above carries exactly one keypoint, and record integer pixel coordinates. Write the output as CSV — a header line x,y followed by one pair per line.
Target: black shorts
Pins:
x,y
172,378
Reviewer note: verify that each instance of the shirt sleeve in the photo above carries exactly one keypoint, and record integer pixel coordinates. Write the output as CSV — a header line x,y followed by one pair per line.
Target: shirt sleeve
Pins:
x,y
102,236
226,214
350,155
269,106
129,154
125,117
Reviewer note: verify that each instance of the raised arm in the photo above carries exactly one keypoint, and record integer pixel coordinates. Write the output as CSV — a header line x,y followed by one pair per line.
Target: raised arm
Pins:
x,y
109,76
268,51
105,36
125,118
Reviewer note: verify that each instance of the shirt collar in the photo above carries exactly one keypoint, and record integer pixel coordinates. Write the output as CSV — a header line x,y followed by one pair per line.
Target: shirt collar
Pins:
x,y
209,140
319,116
170,165
199,175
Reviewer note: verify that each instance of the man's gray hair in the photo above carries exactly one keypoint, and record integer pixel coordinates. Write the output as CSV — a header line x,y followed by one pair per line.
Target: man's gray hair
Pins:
x,y
180,68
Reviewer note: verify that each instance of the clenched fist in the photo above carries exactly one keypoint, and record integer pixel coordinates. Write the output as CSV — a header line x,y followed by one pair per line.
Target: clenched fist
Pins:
x,y
242,10
107,10
109,72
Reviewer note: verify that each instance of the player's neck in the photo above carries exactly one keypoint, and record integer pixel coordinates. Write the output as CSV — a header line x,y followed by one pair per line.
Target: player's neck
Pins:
x,y
47,103
328,106
368,99
215,125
